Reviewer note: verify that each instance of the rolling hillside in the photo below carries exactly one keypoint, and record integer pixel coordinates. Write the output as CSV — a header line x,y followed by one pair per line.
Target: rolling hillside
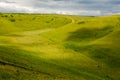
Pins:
x,y
59,47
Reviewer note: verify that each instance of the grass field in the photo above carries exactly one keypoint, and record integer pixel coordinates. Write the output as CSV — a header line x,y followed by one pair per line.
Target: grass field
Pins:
x,y
59,47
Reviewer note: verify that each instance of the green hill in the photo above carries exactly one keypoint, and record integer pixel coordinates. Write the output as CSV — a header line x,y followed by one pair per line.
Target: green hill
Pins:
x,y
59,47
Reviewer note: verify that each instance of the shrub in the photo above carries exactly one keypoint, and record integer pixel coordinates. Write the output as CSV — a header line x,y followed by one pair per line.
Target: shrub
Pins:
x,y
12,20
81,22
11,15
33,18
2,16
6,16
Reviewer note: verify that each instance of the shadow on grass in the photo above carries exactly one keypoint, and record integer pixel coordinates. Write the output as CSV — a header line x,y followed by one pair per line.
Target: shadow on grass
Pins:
x,y
99,53
88,34
84,35
13,56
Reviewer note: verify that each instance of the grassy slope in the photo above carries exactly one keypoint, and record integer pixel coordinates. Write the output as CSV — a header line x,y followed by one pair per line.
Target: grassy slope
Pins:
x,y
59,47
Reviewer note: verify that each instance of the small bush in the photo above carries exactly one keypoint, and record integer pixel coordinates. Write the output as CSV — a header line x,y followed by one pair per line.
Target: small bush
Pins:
x,y
52,19
12,20
2,16
47,21
11,15
81,22
33,18
6,16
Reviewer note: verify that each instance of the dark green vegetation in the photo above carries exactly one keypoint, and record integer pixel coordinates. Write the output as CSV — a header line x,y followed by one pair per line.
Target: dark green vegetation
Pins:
x,y
59,47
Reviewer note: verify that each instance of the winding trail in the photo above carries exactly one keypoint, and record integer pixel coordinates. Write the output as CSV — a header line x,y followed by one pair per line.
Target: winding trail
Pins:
x,y
37,32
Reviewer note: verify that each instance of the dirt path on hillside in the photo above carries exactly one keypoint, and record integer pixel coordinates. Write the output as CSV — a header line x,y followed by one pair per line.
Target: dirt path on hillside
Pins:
x,y
36,32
